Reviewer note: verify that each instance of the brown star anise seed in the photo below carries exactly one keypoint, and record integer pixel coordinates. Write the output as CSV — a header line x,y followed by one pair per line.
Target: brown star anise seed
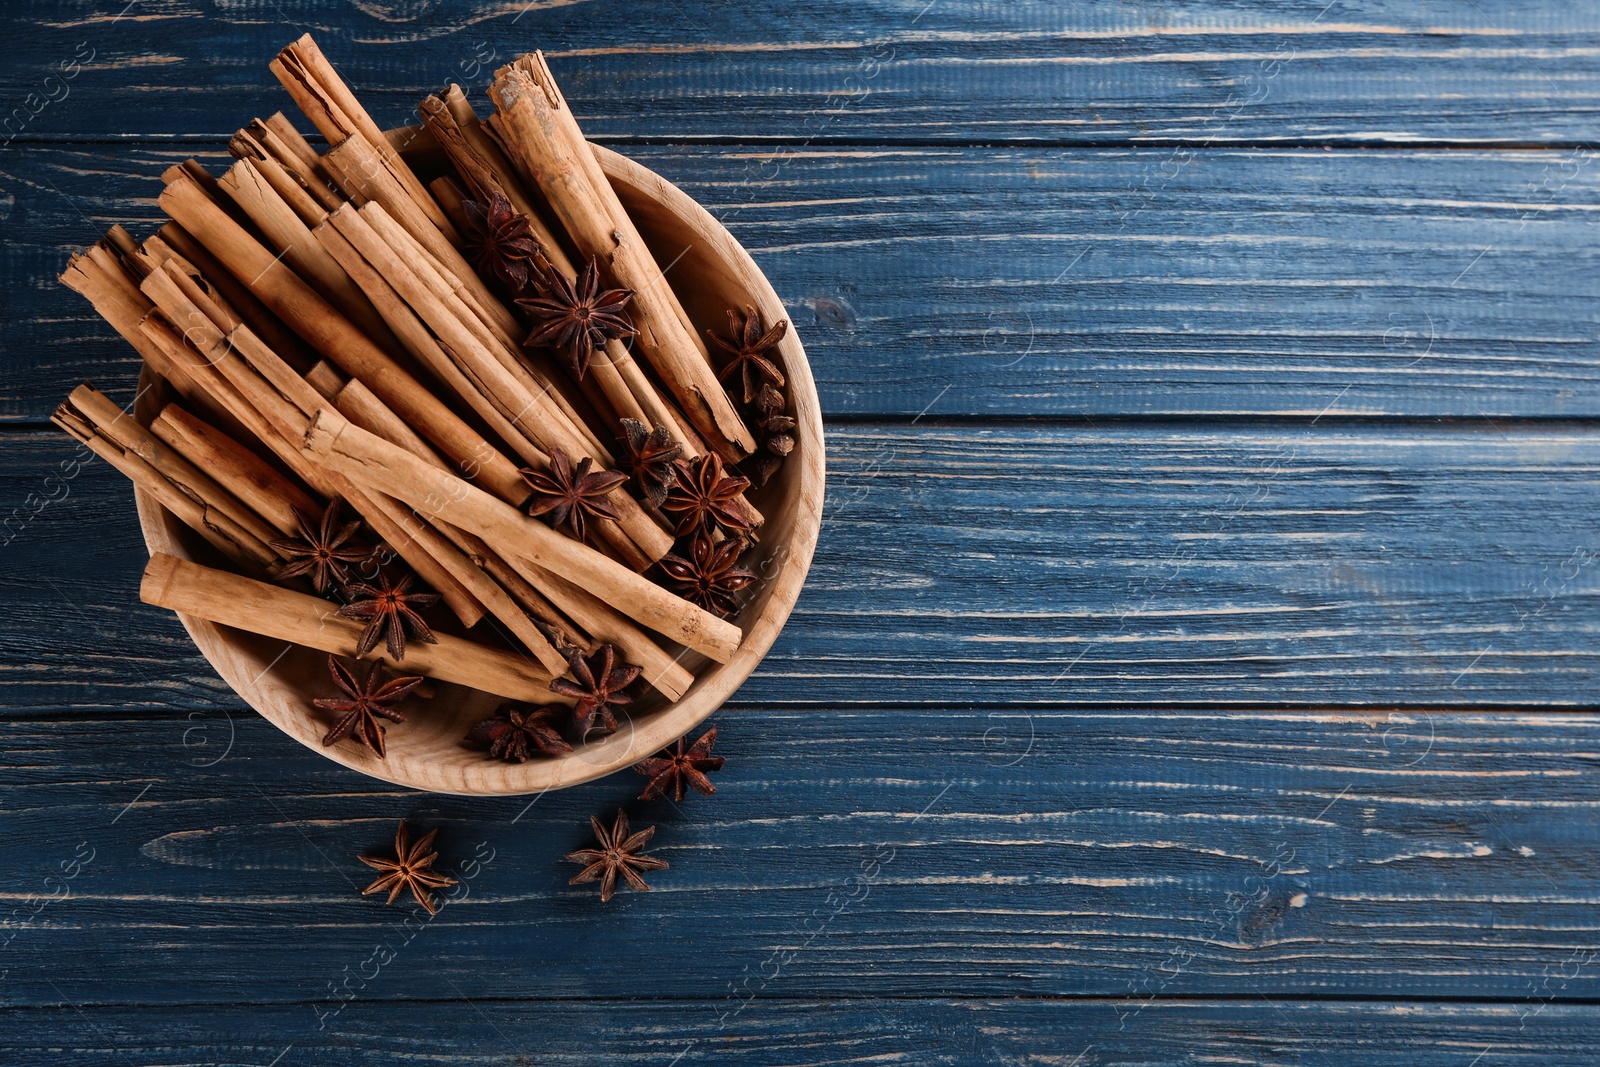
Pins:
x,y
680,769
499,240
568,496
411,868
516,731
705,496
711,575
321,550
390,612
618,854
369,700
649,454
749,350
577,319
600,686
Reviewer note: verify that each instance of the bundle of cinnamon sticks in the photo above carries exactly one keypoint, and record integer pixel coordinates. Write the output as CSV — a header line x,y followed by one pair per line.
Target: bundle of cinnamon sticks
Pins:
x,y
429,348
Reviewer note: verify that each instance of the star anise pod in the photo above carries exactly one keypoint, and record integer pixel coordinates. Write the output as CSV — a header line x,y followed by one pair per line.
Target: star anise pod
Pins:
x,y
675,771
749,350
776,432
568,495
649,454
778,427
411,868
599,687
516,731
577,318
499,240
705,497
322,549
391,613
711,575
618,854
369,700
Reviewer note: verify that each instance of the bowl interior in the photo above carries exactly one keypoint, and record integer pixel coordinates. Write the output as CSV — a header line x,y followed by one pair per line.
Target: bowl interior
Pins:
x,y
710,272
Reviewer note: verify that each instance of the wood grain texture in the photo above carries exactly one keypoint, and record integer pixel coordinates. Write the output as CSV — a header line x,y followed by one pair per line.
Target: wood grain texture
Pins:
x,y
1101,283
887,853
790,1033
1031,565
1379,71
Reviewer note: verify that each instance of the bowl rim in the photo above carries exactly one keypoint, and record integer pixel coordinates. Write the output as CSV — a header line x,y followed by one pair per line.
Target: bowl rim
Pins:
x,y
252,678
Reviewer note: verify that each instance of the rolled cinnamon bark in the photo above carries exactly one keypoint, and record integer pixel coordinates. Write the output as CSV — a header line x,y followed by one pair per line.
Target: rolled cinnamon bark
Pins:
x,y
250,478
120,428
267,326
550,151
285,182
334,110
116,296
617,376
289,235
272,611
190,502
531,404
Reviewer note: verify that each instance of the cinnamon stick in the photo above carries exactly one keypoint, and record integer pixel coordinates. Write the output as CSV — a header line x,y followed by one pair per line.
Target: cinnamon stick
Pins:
x,y
115,295
549,150
563,600
364,409
243,473
286,183
189,503
334,110
661,670
289,235
529,404
300,619
120,428
266,325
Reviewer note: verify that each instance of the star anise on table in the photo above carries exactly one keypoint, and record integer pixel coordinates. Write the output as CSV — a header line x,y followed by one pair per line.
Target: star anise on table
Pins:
x,y
569,496
499,240
599,686
618,854
516,731
577,318
710,576
323,548
749,350
411,868
649,454
390,611
368,700
705,497
676,769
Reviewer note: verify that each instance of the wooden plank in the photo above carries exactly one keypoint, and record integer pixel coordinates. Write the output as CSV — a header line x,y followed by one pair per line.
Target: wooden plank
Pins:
x,y
794,1032
1045,565
1051,282
959,70
887,853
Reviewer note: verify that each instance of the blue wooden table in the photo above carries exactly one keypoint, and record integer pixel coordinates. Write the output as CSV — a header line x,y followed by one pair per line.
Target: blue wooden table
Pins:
x,y
1199,658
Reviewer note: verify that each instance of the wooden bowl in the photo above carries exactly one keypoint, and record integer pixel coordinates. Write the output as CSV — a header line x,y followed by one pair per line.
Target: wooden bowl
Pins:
x,y
711,273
